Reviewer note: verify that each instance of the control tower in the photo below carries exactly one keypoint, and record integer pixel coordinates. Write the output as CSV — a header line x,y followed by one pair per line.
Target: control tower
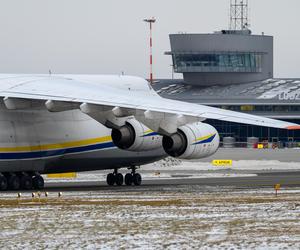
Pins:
x,y
225,57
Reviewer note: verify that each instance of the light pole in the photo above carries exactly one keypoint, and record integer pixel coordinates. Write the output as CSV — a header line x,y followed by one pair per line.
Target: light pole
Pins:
x,y
150,21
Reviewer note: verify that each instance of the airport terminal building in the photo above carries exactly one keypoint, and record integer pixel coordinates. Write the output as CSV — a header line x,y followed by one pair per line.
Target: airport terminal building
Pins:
x,y
233,69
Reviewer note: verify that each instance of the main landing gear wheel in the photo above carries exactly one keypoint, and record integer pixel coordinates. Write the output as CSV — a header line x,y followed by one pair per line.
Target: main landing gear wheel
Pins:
x,y
133,178
110,179
38,182
26,182
115,178
3,183
137,179
128,179
119,179
14,182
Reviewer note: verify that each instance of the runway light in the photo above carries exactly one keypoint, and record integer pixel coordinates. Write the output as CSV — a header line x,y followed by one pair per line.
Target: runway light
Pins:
x,y
39,195
33,196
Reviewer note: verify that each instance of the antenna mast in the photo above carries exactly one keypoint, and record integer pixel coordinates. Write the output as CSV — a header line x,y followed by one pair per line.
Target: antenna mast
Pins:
x,y
239,15
151,21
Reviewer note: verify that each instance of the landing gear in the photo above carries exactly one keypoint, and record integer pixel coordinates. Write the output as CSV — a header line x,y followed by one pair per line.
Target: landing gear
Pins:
x,y
3,183
128,179
115,178
134,178
137,179
118,179
24,181
110,179
14,182
38,182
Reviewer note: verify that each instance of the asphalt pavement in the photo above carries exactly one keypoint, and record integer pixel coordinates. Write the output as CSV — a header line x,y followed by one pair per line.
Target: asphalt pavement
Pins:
x,y
285,179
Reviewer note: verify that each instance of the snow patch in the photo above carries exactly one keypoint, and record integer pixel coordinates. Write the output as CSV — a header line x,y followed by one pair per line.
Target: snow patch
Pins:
x,y
168,164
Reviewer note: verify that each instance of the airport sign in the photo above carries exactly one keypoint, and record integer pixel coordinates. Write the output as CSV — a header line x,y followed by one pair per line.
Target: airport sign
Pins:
x,y
222,163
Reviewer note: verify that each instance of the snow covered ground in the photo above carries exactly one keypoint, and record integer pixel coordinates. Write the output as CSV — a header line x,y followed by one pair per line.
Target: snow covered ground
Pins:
x,y
171,164
186,217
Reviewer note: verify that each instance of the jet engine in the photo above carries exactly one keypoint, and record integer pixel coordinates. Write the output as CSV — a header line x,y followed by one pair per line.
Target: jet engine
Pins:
x,y
135,136
194,141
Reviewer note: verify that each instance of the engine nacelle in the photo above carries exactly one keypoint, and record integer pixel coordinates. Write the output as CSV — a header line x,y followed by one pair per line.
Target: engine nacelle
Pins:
x,y
135,136
194,141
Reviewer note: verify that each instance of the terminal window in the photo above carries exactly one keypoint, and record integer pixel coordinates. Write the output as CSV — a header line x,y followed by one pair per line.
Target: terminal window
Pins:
x,y
261,108
220,62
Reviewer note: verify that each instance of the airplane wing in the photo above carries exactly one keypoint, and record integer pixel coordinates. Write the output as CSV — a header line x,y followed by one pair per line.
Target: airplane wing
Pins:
x,y
116,97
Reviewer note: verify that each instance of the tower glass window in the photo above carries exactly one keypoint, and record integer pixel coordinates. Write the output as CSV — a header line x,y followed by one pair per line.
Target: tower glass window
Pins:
x,y
218,62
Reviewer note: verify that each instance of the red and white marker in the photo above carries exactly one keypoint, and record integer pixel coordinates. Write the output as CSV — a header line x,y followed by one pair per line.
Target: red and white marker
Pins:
x,y
151,21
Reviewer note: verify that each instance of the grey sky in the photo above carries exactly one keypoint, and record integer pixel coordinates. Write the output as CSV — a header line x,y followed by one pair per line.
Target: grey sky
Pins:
x,y
97,36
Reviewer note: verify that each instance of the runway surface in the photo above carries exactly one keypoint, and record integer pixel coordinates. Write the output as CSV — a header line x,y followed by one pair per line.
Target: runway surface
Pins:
x,y
286,179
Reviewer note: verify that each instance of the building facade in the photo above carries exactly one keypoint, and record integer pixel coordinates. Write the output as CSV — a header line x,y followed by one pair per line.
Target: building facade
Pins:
x,y
222,58
233,70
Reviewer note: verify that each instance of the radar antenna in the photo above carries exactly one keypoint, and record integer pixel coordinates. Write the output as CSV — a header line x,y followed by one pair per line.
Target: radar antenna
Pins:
x,y
239,15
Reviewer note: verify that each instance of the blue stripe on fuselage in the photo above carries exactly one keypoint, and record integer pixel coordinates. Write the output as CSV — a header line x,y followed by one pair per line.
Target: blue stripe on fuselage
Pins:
x,y
51,153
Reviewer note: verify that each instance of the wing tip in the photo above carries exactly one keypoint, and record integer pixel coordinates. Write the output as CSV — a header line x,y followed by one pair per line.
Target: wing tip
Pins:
x,y
295,127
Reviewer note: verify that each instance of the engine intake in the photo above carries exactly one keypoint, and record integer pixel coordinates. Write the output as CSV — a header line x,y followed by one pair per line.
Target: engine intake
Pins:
x,y
135,136
176,144
124,137
195,141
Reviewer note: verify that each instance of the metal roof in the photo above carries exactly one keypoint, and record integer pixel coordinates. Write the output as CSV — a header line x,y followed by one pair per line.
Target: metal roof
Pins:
x,y
268,92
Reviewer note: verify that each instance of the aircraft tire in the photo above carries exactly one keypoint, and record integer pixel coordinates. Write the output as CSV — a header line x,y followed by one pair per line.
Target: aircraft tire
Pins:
x,y
110,179
14,182
38,182
128,179
137,179
3,183
26,182
119,179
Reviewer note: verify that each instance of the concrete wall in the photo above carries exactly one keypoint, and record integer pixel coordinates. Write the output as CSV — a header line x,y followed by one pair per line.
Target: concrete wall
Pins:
x,y
225,43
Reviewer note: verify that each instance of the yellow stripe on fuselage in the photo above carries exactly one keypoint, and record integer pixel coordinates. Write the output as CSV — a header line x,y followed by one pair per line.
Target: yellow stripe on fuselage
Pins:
x,y
53,146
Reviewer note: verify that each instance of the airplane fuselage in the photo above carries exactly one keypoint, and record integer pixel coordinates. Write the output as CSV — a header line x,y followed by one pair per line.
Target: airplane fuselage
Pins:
x,y
38,140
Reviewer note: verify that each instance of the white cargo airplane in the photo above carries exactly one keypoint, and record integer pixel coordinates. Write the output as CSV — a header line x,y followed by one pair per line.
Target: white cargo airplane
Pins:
x,y
55,124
